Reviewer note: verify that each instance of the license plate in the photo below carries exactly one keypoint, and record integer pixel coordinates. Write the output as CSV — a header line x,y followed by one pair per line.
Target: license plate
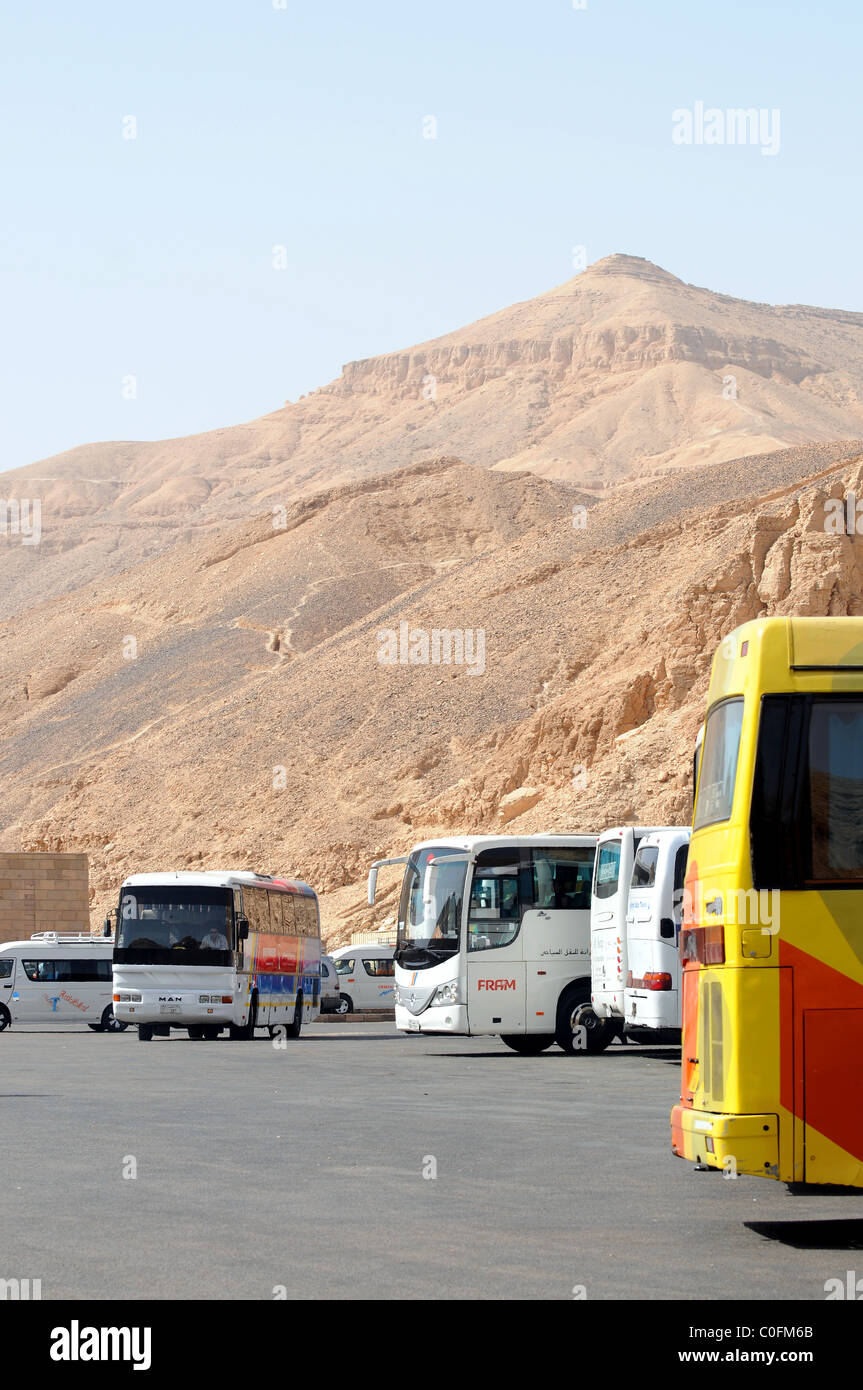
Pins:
x,y
169,1008
413,1025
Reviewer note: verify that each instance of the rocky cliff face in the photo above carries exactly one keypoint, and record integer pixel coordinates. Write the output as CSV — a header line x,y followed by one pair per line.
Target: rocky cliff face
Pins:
x,y
293,748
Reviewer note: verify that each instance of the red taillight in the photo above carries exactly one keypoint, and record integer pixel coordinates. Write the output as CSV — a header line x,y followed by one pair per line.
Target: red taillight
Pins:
x,y
227,998
657,979
652,979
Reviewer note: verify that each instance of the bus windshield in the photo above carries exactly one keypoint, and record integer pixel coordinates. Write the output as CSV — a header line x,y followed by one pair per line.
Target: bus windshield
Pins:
x,y
174,925
430,911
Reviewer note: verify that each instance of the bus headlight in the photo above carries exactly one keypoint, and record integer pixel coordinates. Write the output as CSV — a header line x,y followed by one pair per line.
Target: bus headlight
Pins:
x,y
448,993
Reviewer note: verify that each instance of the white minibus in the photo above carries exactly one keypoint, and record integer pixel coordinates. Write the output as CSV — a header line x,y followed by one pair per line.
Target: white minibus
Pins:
x,y
366,977
494,937
58,977
208,951
615,855
652,994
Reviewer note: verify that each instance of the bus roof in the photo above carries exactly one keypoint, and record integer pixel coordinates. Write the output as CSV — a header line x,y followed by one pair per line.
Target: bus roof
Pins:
x,y
472,843
374,952
788,654
58,941
231,878
640,830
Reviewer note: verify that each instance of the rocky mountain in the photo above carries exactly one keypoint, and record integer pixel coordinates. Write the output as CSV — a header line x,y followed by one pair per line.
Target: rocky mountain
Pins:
x,y
623,373
469,586
227,704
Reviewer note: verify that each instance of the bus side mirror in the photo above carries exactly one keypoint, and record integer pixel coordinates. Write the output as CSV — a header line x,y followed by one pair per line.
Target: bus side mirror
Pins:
x,y
242,928
666,928
106,927
373,880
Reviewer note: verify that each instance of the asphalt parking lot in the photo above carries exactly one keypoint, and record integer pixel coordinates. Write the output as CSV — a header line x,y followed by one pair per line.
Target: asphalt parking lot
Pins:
x,y
300,1171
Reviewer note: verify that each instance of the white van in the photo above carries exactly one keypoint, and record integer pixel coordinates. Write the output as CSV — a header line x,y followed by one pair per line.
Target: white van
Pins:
x,y
652,994
330,992
366,977
58,978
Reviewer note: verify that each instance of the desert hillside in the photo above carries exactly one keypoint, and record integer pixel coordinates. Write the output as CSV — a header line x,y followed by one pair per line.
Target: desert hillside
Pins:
x,y
224,704
622,373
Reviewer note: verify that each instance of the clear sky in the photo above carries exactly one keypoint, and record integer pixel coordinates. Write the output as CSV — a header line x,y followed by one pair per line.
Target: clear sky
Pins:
x,y
277,123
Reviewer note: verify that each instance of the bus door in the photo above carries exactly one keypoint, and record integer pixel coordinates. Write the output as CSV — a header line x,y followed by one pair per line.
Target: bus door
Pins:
x,y
495,962
36,994
614,858
556,929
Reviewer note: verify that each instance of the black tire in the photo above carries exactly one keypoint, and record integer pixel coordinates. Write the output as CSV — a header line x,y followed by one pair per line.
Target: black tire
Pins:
x,y
95,1027
110,1023
345,1004
528,1044
293,1029
210,1031
145,1032
5,1017
196,1032
579,1027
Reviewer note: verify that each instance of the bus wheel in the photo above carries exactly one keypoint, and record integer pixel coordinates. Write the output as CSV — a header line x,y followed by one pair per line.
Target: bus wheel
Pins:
x,y
528,1044
145,1032
5,1017
210,1031
346,1004
111,1024
293,1029
579,1027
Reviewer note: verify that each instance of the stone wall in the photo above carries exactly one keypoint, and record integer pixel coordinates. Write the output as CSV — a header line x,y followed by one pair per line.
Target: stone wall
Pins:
x,y
43,892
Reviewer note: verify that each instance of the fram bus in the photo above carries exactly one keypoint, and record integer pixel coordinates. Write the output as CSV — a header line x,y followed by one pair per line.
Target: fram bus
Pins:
x,y
494,937
209,951
772,937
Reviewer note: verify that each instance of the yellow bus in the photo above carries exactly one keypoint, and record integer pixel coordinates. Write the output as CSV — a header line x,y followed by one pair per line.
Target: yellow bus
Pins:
x,y
772,937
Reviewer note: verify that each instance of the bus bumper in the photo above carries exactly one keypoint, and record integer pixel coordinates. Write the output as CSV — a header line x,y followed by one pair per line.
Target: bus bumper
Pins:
x,y
608,1003
653,1009
439,1018
735,1143
177,1009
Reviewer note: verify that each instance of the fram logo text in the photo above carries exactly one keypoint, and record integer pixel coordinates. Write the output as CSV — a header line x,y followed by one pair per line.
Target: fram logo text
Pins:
x,y
495,984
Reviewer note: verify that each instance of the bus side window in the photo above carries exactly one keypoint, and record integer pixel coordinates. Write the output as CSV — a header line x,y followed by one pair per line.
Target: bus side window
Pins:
x,y
607,869
6,968
719,763
39,970
561,878
679,879
494,909
379,967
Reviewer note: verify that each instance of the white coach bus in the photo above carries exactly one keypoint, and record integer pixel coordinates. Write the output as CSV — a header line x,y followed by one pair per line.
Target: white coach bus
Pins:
x,y
494,937
615,856
58,977
652,994
209,951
